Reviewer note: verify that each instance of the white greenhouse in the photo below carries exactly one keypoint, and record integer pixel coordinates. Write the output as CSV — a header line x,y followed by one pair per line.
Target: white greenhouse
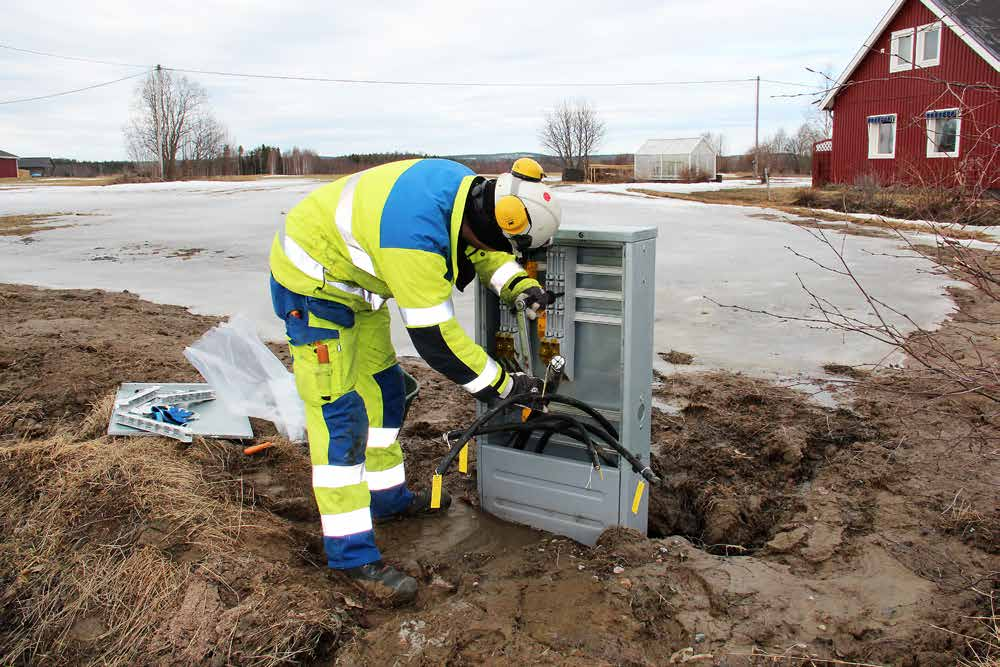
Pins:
x,y
674,160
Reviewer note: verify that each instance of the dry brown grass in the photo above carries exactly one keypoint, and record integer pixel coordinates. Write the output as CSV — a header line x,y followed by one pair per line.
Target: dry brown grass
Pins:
x,y
141,550
25,225
677,358
68,181
120,178
983,649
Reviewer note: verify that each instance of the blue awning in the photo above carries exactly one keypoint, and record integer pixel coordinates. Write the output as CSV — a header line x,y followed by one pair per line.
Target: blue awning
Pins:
x,y
888,119
948,113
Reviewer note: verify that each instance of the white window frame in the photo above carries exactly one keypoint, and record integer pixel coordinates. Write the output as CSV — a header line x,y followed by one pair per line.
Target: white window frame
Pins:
x,y
873,153
905,63
932,145
919,44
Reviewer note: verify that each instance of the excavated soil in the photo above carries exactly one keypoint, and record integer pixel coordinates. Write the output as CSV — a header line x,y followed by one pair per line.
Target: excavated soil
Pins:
x,y
784,532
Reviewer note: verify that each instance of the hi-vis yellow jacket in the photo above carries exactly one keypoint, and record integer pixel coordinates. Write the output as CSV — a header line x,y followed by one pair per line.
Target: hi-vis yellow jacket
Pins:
x,y
393,232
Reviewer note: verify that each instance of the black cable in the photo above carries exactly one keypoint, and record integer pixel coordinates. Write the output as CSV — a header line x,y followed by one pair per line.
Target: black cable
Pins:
x,y
77,90
534,401
550,427
76,58
403,82
459,84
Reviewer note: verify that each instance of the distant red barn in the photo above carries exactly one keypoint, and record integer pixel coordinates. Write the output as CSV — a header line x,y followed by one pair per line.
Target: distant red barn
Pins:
x,y
920,102
8,165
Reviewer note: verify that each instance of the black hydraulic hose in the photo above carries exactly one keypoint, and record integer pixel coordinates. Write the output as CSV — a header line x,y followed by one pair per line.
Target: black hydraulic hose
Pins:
x,y
554,423
580,405
469,432
577,430
550,428
534,399
543,441
550,424
568,426
547,422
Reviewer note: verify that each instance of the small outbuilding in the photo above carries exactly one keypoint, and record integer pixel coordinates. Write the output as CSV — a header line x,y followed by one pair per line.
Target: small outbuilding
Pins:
x,y
686,159
8,165
37,166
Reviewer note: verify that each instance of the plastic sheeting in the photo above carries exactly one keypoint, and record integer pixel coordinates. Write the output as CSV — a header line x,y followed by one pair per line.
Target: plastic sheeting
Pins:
x,y
247,376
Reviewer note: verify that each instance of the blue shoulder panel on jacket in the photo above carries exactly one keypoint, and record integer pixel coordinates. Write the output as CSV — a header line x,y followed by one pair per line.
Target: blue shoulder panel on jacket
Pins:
x,y
417,214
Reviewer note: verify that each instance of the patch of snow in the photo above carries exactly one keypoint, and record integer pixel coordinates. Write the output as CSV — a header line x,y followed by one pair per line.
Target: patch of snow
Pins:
x,y
205,245
686,188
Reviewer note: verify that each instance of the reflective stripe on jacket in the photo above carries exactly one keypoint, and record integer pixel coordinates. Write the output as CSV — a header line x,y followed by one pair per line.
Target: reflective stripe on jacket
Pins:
x,y
393,232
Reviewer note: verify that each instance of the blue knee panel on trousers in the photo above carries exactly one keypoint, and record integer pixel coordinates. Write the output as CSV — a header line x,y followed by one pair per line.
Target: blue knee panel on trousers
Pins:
x,y
347,421
390,382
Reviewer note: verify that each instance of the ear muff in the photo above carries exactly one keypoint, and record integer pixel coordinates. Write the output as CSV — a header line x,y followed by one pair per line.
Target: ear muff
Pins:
x,y
511,215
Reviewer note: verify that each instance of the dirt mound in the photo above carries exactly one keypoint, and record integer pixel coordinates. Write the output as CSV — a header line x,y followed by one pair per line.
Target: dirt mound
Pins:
x,y
735,457
146,550
853,534
60,353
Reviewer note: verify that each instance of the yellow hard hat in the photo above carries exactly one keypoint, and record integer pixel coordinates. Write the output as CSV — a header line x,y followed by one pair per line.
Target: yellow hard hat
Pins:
x,y
526,210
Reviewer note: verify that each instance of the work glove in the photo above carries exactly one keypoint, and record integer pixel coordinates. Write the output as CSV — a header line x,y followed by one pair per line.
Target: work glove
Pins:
x,y
524,383
536,299
171,414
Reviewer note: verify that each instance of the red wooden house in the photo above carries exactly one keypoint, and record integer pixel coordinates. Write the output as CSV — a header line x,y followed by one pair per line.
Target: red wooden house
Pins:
x,y
920,102
8,165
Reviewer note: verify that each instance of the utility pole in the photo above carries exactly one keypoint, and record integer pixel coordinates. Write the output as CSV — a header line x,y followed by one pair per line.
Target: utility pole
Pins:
x,y
756,131
157,114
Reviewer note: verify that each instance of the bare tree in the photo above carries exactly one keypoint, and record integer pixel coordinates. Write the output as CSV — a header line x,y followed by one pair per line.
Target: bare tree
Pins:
x,y
204,145
171,119
573,132
717,140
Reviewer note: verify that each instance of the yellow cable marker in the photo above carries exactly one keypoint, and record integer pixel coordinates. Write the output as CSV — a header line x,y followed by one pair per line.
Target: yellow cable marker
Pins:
x,y
436,492
463,459
638,496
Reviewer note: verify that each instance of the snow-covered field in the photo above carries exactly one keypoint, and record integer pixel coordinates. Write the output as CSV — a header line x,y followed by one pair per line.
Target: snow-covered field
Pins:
x,y
205,245
686,188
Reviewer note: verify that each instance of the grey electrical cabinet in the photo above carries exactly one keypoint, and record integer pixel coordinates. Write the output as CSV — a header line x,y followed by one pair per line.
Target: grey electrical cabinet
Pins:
x,y
603,327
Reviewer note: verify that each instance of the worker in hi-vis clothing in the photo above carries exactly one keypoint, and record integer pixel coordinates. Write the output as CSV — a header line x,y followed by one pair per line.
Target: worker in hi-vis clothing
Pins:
x,y
410,231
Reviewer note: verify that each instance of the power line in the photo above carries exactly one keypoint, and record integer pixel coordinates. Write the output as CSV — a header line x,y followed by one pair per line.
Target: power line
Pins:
x,y
76,58
789,83
397,82
474,84
75,90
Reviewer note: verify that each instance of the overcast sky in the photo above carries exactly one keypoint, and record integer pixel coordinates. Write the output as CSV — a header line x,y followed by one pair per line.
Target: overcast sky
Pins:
x,y
512,41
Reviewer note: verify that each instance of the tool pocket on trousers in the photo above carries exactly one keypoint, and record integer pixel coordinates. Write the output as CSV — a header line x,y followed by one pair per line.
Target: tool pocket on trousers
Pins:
x,y
324,370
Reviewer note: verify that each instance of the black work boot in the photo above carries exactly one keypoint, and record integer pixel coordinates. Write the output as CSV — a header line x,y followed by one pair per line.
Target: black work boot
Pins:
x,y
420,505
384,582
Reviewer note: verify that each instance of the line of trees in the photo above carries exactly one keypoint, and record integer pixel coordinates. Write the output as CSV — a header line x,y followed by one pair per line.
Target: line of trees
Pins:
x,y
172,121
784,152
88,168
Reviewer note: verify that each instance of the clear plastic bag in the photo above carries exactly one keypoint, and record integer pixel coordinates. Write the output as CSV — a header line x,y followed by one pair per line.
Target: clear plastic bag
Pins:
x,y
247,376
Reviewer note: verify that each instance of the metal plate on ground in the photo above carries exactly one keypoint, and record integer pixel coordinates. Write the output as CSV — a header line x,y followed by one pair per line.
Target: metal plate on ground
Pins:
x,y
214,419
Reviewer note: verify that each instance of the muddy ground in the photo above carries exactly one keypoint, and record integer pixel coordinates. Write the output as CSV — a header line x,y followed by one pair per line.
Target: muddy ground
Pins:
x,y
784,532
